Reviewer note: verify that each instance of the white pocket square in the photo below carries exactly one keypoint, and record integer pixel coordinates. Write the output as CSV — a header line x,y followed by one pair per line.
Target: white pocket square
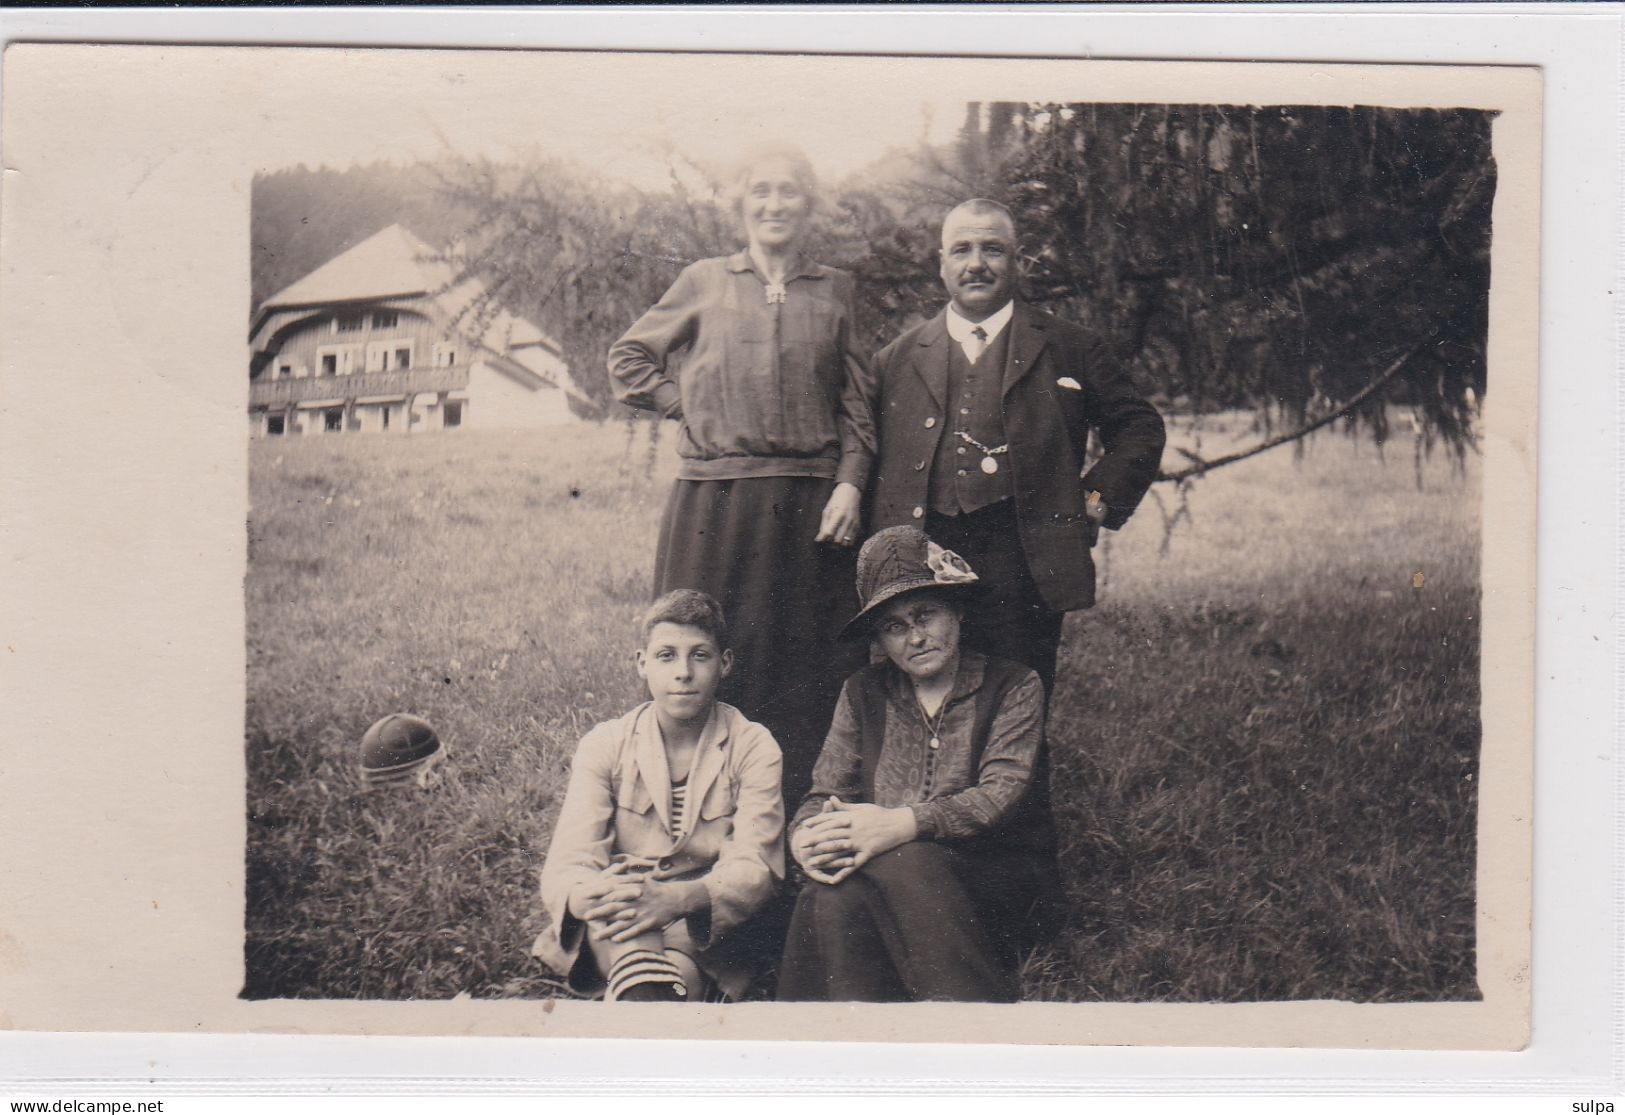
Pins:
x,y
1069,383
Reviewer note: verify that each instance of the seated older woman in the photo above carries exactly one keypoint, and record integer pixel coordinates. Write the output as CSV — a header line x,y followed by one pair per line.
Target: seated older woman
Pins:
x,y
929,850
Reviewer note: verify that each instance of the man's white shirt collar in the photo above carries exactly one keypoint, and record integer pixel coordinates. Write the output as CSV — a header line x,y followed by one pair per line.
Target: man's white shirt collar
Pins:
x,y
959,327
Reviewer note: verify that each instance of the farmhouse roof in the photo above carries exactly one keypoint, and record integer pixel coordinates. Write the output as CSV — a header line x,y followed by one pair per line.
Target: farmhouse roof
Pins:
x,y
391,263
394,264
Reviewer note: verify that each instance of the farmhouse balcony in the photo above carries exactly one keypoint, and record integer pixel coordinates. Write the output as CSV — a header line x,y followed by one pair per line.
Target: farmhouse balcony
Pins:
x,y
407,381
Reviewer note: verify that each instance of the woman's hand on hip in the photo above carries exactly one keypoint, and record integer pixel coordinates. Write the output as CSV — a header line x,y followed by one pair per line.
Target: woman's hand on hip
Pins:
x,y
842,516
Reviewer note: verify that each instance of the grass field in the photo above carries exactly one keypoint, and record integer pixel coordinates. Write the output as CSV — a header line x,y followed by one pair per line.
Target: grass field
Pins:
x,y
1265,736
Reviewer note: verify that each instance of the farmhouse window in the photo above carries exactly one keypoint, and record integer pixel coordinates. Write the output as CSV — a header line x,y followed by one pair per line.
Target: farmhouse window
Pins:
x,y
350,323
403,357
276,424
445,355
385,320
283,371
330,364
334,420
453,415
383,412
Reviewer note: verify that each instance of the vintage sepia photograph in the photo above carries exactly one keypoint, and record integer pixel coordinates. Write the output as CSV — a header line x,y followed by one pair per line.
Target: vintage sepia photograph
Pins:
x,y
981,551
844,548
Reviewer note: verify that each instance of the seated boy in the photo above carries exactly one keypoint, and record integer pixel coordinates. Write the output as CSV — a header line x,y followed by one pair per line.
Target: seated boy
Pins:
x,y
670,836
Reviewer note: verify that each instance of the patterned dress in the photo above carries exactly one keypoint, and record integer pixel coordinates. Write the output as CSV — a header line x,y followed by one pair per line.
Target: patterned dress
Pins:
x,y
946,915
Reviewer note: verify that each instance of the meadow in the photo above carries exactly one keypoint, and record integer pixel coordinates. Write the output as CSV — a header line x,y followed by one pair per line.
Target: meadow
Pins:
x,y
1265,736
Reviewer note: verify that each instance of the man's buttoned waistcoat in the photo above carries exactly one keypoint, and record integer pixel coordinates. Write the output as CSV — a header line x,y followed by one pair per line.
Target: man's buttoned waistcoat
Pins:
x,y
1054,391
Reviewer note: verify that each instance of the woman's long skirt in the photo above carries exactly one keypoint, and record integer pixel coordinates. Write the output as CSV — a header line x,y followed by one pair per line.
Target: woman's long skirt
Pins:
x,y
923,921
749,543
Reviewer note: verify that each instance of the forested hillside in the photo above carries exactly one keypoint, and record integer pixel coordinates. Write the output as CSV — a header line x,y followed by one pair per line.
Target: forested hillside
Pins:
x,y
302,218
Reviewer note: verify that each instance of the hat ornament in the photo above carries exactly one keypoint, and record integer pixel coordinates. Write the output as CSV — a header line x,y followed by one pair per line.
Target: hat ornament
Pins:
x,y
947,567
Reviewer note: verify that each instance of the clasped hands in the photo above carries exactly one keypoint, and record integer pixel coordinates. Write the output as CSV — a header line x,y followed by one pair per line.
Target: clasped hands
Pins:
x,y
620,904
844,836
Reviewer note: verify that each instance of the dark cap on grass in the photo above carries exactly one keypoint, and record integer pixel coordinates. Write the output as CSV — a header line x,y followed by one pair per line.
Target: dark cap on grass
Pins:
x,y
900,560
399,749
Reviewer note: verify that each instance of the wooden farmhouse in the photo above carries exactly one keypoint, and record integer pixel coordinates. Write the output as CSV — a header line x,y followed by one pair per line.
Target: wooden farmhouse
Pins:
x,y
377,340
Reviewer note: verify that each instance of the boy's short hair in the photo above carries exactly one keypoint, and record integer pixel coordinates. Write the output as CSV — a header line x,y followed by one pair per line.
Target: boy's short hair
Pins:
x,y
691,608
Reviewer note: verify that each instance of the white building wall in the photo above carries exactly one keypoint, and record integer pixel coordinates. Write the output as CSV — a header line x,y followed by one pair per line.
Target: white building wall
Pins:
x,y
497,401
492,400
425,413
313,421
371,417
299,423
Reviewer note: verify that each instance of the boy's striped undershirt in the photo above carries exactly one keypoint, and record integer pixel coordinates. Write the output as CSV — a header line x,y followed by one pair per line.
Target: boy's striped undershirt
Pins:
x,y
679,796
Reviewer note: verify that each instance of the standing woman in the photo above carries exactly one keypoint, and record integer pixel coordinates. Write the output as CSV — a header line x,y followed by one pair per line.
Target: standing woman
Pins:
x,y
774,443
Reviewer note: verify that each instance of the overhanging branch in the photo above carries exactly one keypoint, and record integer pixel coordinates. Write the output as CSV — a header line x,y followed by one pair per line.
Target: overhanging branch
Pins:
x,y
1201,467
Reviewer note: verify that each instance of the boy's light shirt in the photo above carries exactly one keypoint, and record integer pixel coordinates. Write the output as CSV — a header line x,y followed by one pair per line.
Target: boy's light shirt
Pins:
x,y
619,804
653,768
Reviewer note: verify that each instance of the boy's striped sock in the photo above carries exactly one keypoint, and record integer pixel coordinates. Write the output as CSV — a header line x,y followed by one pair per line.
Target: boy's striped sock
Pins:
x,y
653,971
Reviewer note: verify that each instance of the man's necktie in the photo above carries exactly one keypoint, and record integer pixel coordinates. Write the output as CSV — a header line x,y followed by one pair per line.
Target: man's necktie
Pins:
x,y
977,344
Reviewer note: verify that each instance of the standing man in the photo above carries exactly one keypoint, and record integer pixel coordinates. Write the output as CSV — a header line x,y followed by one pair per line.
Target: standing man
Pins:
x,y
983,415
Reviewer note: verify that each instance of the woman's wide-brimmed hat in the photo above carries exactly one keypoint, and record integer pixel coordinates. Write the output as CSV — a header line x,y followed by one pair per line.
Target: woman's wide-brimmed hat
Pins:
x,y
399,750
898,560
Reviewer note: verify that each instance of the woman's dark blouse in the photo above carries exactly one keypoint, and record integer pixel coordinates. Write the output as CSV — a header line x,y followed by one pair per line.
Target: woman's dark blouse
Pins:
x,y
952,795
766,388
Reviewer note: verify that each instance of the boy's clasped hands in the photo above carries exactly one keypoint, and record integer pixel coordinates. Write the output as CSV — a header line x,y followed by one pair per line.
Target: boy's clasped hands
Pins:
x,y
625,900
843,836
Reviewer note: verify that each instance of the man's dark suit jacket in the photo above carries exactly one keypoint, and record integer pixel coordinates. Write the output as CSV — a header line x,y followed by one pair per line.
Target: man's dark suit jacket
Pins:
x,y
1054,392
